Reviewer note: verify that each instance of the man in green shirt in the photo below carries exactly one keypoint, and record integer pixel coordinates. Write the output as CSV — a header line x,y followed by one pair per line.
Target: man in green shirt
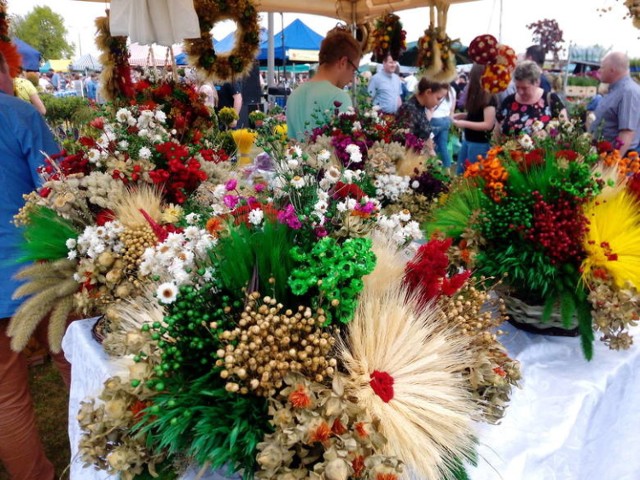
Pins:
x,y
339,57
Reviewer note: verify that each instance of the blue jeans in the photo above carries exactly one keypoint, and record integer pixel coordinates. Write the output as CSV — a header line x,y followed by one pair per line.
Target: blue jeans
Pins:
x,y
469,151
440,129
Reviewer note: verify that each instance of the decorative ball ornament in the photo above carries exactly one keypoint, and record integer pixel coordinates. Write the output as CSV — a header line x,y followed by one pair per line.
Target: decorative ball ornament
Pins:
x,y
483,49
506,56
495,78
239,61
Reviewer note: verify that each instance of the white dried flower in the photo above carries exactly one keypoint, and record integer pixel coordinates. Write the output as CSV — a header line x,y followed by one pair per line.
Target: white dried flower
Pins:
x,y
167,292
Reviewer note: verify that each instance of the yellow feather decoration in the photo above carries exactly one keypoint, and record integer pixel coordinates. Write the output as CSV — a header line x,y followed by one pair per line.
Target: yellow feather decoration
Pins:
x,y
613,240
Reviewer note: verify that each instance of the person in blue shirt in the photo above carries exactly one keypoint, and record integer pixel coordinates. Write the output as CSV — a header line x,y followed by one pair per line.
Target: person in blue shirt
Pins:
x,y
385,87
91,86
24,137
56,80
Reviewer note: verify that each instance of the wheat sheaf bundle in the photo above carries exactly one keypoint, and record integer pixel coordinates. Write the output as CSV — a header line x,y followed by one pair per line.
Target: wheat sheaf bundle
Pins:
x,y
51,286
406,370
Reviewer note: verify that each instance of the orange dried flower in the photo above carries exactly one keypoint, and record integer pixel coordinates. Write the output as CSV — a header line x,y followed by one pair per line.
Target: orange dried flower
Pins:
x,y
361,429
214,226
299,398
386,476
320,434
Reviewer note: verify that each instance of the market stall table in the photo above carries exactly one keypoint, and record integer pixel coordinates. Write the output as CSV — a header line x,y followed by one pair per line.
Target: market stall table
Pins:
x,y
571,420
65,93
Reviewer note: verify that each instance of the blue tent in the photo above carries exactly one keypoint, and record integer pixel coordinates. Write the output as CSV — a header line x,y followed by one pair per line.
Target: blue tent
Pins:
x,y
30,56
297,36
221,46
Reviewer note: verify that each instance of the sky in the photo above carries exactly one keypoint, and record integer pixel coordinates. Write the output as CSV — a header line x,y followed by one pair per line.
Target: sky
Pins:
x,y
582,22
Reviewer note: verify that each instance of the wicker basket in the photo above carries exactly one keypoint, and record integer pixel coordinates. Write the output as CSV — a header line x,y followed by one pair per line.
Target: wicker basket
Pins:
x,y
529,318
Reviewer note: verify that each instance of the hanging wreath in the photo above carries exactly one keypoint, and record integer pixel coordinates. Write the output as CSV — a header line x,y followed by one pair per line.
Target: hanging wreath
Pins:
x,y
364,36
7,48
388,38
239,61
115,79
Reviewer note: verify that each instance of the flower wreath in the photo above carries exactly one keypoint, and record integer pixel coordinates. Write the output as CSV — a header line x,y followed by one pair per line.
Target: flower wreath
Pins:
x,y
239,61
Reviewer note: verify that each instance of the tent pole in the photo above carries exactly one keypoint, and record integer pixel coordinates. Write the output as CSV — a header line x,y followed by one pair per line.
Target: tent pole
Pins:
x,y
270,52
284,58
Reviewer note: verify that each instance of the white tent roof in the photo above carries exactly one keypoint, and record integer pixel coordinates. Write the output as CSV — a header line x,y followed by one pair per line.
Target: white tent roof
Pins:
x,y
160,25
151,55
86,62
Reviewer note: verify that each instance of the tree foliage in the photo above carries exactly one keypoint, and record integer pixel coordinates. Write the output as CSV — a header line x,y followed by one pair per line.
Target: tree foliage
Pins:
x,y
43,29
548,35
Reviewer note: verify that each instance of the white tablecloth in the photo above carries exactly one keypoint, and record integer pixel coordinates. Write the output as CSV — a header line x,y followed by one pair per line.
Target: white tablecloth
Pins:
x,y
571,420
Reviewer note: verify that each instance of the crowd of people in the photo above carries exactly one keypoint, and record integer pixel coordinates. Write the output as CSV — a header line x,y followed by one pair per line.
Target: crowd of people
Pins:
x,y
430,108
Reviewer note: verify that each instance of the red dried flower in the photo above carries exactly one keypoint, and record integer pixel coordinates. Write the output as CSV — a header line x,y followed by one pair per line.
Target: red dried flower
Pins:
x,y
382,385
358,466
338,428
570,155
427,272
347,190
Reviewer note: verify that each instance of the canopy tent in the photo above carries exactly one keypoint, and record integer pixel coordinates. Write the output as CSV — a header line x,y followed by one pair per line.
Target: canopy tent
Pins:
x,y
30,56
350,11
151,55
301,44
61,65
167,23
86,62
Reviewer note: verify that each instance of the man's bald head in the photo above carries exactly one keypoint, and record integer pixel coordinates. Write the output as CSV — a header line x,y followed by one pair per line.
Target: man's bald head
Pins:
x,y
614,66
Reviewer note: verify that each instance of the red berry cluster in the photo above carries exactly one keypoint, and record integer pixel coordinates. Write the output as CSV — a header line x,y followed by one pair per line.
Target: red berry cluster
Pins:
x,y
559,227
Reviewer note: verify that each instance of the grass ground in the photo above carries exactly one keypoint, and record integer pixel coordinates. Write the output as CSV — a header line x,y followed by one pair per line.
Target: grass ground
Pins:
x,y
51,403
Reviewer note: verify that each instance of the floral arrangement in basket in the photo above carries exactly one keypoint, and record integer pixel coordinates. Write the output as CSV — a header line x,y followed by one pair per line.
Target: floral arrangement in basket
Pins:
x,y
116,192
301,344
560,222
388,38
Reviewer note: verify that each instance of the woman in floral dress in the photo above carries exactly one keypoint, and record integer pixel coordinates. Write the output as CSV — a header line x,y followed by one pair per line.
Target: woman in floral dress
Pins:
x,y
519,111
